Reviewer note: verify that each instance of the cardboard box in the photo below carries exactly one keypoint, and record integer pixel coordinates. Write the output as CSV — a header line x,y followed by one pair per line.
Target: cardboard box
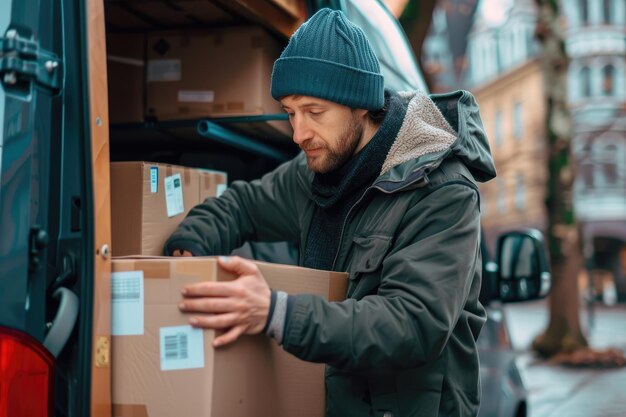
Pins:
x,y
125,71
169,369
149,200
223,72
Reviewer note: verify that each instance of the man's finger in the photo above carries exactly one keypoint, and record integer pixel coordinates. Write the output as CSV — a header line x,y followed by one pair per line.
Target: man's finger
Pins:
x,y
215,321
211,289
229,337
237,265
208,305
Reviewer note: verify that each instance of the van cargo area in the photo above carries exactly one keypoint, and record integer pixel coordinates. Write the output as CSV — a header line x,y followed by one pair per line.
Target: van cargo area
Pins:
x,y
189,83
189,111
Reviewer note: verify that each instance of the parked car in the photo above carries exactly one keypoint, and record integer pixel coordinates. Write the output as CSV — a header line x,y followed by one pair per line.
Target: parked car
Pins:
x,y
54,196
519,272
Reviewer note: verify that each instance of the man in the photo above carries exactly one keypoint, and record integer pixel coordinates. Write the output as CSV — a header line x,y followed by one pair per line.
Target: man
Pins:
x,y
384,189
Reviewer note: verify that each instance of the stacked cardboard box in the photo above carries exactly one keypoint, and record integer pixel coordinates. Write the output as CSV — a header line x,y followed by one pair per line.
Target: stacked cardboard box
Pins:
x,y
149,200
193,74
162,367
125,73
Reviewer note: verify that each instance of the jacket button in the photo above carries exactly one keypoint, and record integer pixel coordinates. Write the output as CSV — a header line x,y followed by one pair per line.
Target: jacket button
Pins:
x,y
388,414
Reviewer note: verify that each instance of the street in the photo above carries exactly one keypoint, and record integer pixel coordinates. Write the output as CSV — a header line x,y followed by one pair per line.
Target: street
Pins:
x,y
558,391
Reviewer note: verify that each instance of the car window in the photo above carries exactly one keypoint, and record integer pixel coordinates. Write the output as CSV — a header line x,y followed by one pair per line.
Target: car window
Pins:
x,y
389,42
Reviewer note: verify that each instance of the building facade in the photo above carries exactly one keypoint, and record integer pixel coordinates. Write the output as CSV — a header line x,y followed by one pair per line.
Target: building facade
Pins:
x,y
504,74
501,56
513,112
596,44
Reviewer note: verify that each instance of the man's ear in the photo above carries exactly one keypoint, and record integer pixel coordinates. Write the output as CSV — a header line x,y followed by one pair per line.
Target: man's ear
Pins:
x,y
361,112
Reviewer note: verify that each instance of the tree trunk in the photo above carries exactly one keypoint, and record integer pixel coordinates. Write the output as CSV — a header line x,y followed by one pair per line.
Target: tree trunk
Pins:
x,y
563,333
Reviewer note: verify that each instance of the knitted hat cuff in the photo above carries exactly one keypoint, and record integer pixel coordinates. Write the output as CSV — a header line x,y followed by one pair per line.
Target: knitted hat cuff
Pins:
x,y
352,87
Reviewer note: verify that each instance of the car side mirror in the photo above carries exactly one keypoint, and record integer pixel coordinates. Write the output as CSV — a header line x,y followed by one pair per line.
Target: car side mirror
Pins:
x,y
524,270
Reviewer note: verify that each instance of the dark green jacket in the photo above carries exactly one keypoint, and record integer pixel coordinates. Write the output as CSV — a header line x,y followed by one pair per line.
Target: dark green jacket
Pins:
x,y
403,342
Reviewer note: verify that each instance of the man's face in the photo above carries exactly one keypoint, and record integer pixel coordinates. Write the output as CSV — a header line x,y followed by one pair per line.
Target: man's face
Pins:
x,y
329,133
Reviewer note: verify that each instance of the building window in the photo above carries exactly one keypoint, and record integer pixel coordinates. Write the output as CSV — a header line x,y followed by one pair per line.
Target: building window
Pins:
x,y
608,80
584,11
608,164
606,11
529,42
585,82
501,197
520,192
518,123
498,128
586,166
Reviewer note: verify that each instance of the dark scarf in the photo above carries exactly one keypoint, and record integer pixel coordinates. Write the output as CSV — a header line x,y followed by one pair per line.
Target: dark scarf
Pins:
x,y
337,191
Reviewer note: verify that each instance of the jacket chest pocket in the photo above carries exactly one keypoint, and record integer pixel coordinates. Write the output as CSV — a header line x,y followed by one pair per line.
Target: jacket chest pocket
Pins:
x,y
367,257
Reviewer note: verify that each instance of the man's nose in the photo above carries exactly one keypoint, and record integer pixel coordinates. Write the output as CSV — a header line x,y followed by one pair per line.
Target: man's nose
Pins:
x,y
301,131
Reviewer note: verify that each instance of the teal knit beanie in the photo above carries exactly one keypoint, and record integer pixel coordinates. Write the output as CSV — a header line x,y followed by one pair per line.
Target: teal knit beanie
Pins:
x,y
329,57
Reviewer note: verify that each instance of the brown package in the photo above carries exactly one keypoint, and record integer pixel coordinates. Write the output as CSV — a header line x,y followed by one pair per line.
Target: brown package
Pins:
x,y
125,72
252,377
226,72
149,200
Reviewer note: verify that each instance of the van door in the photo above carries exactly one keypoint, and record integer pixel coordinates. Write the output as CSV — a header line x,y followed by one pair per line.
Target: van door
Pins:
x,y
27,96
53,332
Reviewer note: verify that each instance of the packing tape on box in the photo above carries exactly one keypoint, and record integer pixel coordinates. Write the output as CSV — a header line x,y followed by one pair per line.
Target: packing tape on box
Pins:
x,y
235,106
153,269
187,176
129,410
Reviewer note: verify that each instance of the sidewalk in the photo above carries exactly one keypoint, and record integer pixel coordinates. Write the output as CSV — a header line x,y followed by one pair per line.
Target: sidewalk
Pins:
x,y
556,391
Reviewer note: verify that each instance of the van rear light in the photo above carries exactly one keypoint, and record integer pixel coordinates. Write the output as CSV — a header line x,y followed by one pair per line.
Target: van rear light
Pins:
x,y
26,376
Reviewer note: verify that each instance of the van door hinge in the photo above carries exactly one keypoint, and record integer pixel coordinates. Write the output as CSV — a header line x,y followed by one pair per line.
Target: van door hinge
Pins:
x,y
23,59
103,352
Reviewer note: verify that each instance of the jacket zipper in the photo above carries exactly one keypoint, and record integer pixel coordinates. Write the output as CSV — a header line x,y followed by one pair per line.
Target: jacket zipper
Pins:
x,y
343,227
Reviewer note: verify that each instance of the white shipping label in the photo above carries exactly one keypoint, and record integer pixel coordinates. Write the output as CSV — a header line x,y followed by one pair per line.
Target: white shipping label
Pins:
x,y
181,347
127,303
174,195
164,70
154,179
220,189
196,96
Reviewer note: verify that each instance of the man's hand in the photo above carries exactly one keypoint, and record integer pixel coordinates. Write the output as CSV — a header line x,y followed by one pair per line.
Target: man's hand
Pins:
x,y
180,252
238,307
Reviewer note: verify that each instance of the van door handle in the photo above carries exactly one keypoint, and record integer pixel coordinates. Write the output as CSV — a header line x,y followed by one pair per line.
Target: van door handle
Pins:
x,y
63,322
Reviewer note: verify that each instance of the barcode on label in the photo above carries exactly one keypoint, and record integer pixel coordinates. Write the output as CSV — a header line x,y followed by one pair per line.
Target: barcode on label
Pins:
x,y
126,288
181,347
127,303
176,346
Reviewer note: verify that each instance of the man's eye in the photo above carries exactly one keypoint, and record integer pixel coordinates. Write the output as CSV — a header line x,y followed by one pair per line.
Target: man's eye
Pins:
x,y
315,113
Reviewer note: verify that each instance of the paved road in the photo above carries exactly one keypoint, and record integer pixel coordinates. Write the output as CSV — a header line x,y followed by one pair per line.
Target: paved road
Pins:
x,y
556,391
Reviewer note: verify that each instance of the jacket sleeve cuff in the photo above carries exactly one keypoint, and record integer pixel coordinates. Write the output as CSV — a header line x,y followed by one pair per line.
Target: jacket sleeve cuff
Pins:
x,y
270,313
278,319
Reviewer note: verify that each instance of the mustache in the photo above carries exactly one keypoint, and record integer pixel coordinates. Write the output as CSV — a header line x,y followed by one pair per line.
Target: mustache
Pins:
x,y
308,145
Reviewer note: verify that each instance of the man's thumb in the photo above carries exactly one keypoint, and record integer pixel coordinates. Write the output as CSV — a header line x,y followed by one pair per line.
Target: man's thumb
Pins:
x,y
237,265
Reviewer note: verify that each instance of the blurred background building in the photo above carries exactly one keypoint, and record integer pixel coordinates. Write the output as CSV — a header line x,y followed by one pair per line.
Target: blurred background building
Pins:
x,y
488,47
596,44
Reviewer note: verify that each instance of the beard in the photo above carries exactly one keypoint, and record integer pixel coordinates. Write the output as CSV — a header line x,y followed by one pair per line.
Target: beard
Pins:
x,y
330,157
